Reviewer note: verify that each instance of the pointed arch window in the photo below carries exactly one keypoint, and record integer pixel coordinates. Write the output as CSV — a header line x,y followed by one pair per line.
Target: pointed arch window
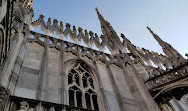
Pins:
x,y
81,87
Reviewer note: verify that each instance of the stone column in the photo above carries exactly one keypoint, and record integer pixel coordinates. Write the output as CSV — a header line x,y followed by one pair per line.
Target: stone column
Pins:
x,y
165,107
184,102
175,105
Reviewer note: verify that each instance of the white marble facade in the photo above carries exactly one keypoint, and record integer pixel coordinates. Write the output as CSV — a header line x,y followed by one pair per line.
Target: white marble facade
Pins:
x,y
42,73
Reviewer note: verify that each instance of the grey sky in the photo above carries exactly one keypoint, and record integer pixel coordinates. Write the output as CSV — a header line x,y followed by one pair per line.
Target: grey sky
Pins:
x,y
167,18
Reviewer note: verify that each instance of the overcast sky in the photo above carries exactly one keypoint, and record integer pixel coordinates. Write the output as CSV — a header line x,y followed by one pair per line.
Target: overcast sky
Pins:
x,y
167,18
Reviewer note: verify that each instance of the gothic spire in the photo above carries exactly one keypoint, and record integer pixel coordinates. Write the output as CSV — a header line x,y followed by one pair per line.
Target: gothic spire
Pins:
x,y
110,37
167,48
156,37
101,19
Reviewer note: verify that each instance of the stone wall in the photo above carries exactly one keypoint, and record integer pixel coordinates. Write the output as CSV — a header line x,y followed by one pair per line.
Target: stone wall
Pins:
x,y
42,68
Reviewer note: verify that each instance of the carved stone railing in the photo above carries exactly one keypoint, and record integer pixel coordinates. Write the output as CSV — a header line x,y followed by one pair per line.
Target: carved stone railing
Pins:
x,y
24,104
170,76
78,50
89,38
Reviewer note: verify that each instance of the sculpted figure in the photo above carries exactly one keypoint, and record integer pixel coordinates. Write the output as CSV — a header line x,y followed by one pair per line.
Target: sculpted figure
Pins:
x,y
24,106
2,97
52,109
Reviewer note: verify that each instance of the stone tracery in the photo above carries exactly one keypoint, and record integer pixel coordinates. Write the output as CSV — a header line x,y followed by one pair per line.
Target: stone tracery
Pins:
x,y
81,87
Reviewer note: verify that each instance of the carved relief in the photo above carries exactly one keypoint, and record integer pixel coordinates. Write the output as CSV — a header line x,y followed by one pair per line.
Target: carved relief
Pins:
x,y
3,98
167,78
52,109
24,106
27,105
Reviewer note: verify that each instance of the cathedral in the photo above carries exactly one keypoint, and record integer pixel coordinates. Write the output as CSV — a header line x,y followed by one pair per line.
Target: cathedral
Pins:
x,y
39,72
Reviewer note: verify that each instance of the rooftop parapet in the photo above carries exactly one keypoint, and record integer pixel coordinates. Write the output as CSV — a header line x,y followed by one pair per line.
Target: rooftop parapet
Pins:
x,y
80,51
89,38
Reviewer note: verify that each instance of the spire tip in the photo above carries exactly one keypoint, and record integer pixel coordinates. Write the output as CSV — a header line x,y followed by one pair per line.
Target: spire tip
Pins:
x,y
148,28
97,10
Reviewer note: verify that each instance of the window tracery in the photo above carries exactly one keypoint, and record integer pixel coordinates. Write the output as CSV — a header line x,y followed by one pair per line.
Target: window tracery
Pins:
x,y
81,87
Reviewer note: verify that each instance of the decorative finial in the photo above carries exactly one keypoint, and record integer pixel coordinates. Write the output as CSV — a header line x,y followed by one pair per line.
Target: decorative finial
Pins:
x,y
186,54
156,36
97,10
150,30
100,17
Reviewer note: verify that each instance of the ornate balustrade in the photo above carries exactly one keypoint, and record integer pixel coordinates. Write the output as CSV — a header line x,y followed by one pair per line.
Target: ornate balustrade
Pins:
x,y
89,38
168,77
76,49
24,104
